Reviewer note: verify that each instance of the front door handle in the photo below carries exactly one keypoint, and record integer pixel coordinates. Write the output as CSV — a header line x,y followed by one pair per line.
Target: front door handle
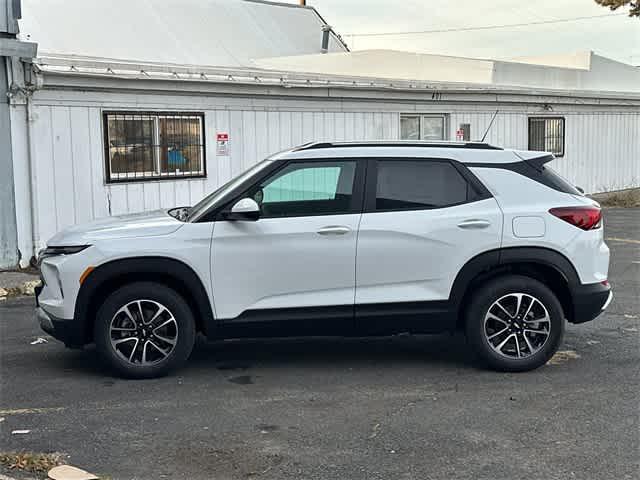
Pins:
x,y
334,230
474,223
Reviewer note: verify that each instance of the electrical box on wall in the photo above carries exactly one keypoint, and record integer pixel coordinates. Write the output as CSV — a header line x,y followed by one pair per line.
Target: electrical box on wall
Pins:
x,y
465,128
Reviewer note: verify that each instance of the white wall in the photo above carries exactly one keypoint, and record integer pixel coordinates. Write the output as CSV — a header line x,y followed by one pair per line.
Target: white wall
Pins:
x,y
602,148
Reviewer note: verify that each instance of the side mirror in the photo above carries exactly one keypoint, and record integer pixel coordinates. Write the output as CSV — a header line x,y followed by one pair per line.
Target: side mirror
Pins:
x,y
580,189
244,209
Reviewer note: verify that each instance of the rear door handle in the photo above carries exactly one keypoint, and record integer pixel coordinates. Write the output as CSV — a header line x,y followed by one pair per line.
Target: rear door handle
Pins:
x,y
334,230
474,223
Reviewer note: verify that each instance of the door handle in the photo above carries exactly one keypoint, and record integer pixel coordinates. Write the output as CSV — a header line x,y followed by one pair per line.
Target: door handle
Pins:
x,y
474,223
334,230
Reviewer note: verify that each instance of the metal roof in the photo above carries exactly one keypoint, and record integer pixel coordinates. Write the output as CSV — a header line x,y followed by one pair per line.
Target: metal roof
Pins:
x,y
227,33
581,71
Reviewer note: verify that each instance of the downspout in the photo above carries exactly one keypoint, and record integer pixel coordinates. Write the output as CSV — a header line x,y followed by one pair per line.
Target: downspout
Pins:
x,y
30,86
33,193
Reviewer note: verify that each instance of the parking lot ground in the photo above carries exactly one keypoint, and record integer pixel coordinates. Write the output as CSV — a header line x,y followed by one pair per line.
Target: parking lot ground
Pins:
x,y
402,407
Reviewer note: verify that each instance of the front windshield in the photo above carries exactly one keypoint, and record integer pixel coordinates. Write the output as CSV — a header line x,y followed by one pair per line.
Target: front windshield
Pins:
x,y
213,198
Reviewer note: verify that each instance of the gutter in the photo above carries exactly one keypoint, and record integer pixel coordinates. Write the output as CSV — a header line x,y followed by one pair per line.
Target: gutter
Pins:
x,y
86,67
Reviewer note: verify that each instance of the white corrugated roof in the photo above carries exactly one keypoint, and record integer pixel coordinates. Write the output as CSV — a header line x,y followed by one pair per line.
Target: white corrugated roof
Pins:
x,y
582,71
227,33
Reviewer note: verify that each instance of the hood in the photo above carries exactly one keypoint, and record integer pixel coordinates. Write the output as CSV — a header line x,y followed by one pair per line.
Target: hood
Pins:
x,y
145,224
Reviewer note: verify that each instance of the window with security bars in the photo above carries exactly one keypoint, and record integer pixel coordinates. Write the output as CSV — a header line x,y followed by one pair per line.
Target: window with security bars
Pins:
x,y
547,134
152,146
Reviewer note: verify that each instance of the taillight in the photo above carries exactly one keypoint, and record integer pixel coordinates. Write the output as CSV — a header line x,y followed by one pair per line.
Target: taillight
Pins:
x,y
586,218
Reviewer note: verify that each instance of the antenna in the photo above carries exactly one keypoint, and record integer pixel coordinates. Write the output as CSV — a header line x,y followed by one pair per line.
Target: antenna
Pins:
x,y
489,127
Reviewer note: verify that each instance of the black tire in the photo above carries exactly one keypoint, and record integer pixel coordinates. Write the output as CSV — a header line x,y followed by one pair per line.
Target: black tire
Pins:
x,y
484,299
184,329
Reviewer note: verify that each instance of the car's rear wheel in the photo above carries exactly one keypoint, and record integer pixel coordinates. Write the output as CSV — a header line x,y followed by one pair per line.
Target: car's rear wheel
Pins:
x,y
144,330
514,323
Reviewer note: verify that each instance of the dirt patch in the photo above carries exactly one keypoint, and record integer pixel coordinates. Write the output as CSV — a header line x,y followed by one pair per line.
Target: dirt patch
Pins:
x,y
620,199
563,356
31,462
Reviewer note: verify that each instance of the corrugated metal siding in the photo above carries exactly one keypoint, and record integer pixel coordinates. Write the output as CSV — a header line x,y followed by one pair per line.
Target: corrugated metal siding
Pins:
x,y
69,159
602,149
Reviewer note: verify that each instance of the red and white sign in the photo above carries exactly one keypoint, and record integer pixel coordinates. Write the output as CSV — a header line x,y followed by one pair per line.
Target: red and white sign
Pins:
x,y
459,134
222,144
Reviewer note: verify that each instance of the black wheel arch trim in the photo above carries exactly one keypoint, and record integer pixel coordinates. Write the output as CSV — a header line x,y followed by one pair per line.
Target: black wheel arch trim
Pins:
x,y
156,265
487,261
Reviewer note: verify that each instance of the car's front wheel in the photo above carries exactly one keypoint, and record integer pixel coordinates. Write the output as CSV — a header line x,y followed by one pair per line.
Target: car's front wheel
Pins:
x,y
514,323
144,330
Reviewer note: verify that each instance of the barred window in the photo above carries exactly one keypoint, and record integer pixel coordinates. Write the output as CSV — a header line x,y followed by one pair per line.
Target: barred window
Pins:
x,y
547,134
149,145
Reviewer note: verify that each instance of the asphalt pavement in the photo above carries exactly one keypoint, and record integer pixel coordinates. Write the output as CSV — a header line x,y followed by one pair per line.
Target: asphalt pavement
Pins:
x,y
388,408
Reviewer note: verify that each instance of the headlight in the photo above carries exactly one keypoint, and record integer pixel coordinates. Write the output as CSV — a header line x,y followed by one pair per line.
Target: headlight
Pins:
x,y
55,251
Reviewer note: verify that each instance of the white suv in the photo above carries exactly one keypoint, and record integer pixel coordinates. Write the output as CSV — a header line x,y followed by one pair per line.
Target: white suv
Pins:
x,y
352,239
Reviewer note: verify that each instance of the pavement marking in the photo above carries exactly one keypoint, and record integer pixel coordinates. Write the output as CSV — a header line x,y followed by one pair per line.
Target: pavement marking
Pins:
x,y
623,240
26,411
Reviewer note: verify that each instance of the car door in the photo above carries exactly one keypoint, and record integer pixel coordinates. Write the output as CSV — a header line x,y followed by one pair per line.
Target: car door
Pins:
x,y
423,220
297,261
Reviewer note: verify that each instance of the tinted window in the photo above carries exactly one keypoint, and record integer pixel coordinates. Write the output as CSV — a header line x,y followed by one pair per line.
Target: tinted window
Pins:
x,y
416,184
308,188
549,177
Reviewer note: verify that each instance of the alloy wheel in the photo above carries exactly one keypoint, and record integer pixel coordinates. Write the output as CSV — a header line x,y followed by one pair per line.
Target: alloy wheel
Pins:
x,y
517,325
143,332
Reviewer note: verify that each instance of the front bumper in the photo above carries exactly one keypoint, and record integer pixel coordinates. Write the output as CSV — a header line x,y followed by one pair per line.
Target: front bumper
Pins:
x,y
589,301
66,331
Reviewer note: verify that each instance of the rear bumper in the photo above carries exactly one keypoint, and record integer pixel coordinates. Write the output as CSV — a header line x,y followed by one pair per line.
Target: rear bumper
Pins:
x,y
589,301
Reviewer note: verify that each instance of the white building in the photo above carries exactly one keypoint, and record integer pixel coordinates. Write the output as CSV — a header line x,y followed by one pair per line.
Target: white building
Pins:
x,y
128,104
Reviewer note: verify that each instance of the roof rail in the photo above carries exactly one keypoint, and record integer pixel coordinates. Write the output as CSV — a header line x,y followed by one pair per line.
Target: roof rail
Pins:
x,y
398,143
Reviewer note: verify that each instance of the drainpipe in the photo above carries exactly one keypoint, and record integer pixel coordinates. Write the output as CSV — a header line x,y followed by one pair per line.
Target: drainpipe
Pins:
x,y
33,194
326,31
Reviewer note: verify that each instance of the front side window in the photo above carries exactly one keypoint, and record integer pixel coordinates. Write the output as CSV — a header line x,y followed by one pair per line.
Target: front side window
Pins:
x,y
308,188
546,134
419,184
423,127
142,146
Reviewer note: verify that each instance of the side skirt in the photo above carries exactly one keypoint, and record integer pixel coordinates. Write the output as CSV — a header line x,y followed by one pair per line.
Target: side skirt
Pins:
x,y
340,320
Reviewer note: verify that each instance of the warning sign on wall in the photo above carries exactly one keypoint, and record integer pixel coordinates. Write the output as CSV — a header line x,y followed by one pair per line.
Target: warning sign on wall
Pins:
x,y
222,144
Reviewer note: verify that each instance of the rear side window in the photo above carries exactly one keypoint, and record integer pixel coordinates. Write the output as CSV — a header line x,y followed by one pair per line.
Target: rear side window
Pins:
x,y
418,184
536,169
549,177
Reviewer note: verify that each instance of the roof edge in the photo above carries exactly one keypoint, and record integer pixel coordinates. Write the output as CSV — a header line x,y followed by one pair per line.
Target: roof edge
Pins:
x,y
336,36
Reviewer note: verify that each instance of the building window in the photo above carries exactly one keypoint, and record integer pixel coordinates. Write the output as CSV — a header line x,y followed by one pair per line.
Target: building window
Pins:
x,y
423,127
148,145
547,134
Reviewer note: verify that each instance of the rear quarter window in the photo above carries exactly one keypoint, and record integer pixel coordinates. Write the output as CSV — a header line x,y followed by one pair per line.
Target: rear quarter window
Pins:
x,y
551,178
